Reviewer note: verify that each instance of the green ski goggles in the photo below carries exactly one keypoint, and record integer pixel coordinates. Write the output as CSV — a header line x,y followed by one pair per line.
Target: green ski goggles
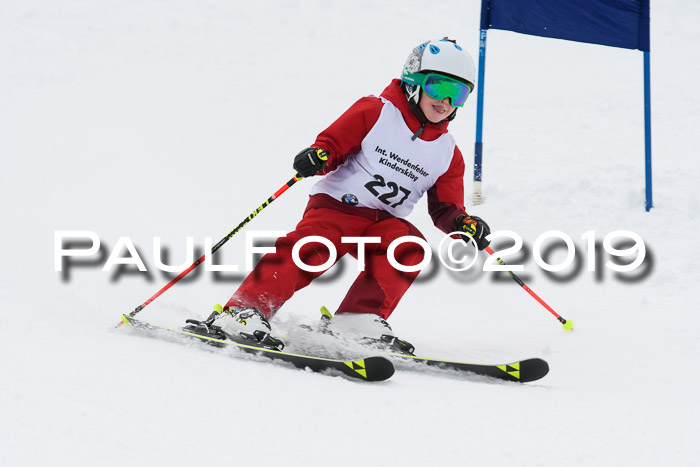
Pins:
x,y
439,87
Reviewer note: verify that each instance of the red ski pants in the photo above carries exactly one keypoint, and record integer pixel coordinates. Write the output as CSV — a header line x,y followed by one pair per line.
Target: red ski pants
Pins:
x,y
377,289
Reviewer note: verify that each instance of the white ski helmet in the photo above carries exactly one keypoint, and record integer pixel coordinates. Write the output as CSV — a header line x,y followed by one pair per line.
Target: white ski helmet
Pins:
x,y
443,56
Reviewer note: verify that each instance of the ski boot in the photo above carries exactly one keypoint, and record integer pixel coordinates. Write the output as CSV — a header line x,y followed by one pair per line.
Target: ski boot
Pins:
x,y
240,324
370,330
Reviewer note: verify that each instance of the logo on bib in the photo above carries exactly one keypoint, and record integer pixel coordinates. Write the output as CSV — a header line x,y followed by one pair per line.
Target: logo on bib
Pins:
x,y
349,199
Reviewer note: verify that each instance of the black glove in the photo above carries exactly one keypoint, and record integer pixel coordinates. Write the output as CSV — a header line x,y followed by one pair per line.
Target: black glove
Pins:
x,y
474,227
310,161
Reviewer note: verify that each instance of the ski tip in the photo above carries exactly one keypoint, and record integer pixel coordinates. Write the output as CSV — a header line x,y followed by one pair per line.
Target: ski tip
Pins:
x,y
533,369
378,368
374,368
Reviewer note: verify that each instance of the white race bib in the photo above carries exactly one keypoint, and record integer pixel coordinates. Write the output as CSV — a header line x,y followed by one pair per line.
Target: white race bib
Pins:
x,y
391,172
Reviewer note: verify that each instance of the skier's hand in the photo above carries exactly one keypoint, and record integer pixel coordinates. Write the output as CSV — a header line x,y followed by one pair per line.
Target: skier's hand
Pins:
x,y
310,161
474,227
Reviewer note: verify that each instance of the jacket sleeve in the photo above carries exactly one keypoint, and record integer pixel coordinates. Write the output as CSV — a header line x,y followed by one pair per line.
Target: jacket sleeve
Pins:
x,y
446,197
344,136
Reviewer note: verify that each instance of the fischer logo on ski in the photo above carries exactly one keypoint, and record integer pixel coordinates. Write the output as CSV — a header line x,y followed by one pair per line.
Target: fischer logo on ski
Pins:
x,y
358,366
513,369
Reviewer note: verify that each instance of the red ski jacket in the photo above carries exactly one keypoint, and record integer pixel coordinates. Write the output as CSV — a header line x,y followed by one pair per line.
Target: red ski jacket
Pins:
x,y
343,138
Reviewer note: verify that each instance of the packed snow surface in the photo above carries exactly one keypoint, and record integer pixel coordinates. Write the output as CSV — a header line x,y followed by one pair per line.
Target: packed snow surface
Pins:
x,y
146,119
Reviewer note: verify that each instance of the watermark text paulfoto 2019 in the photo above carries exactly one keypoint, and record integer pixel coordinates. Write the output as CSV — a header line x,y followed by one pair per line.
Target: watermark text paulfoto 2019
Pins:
x,y
71,248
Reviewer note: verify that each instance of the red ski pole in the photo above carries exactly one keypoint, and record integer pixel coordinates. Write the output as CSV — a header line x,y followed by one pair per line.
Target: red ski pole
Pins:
x,y
284,188
566,324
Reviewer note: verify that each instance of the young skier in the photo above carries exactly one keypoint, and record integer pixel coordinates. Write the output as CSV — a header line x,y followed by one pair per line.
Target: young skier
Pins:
x,y
376,161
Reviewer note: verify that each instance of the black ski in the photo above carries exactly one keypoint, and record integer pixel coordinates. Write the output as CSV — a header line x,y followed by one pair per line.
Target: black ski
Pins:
x,y
523,371
366,369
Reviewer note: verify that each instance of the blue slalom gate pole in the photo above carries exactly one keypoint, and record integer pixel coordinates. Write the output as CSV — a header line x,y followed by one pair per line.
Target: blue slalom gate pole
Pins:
x,y
647,128
477,197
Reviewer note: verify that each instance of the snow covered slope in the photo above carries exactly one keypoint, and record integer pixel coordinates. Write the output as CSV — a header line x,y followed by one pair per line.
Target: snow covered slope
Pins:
x,y
175,119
